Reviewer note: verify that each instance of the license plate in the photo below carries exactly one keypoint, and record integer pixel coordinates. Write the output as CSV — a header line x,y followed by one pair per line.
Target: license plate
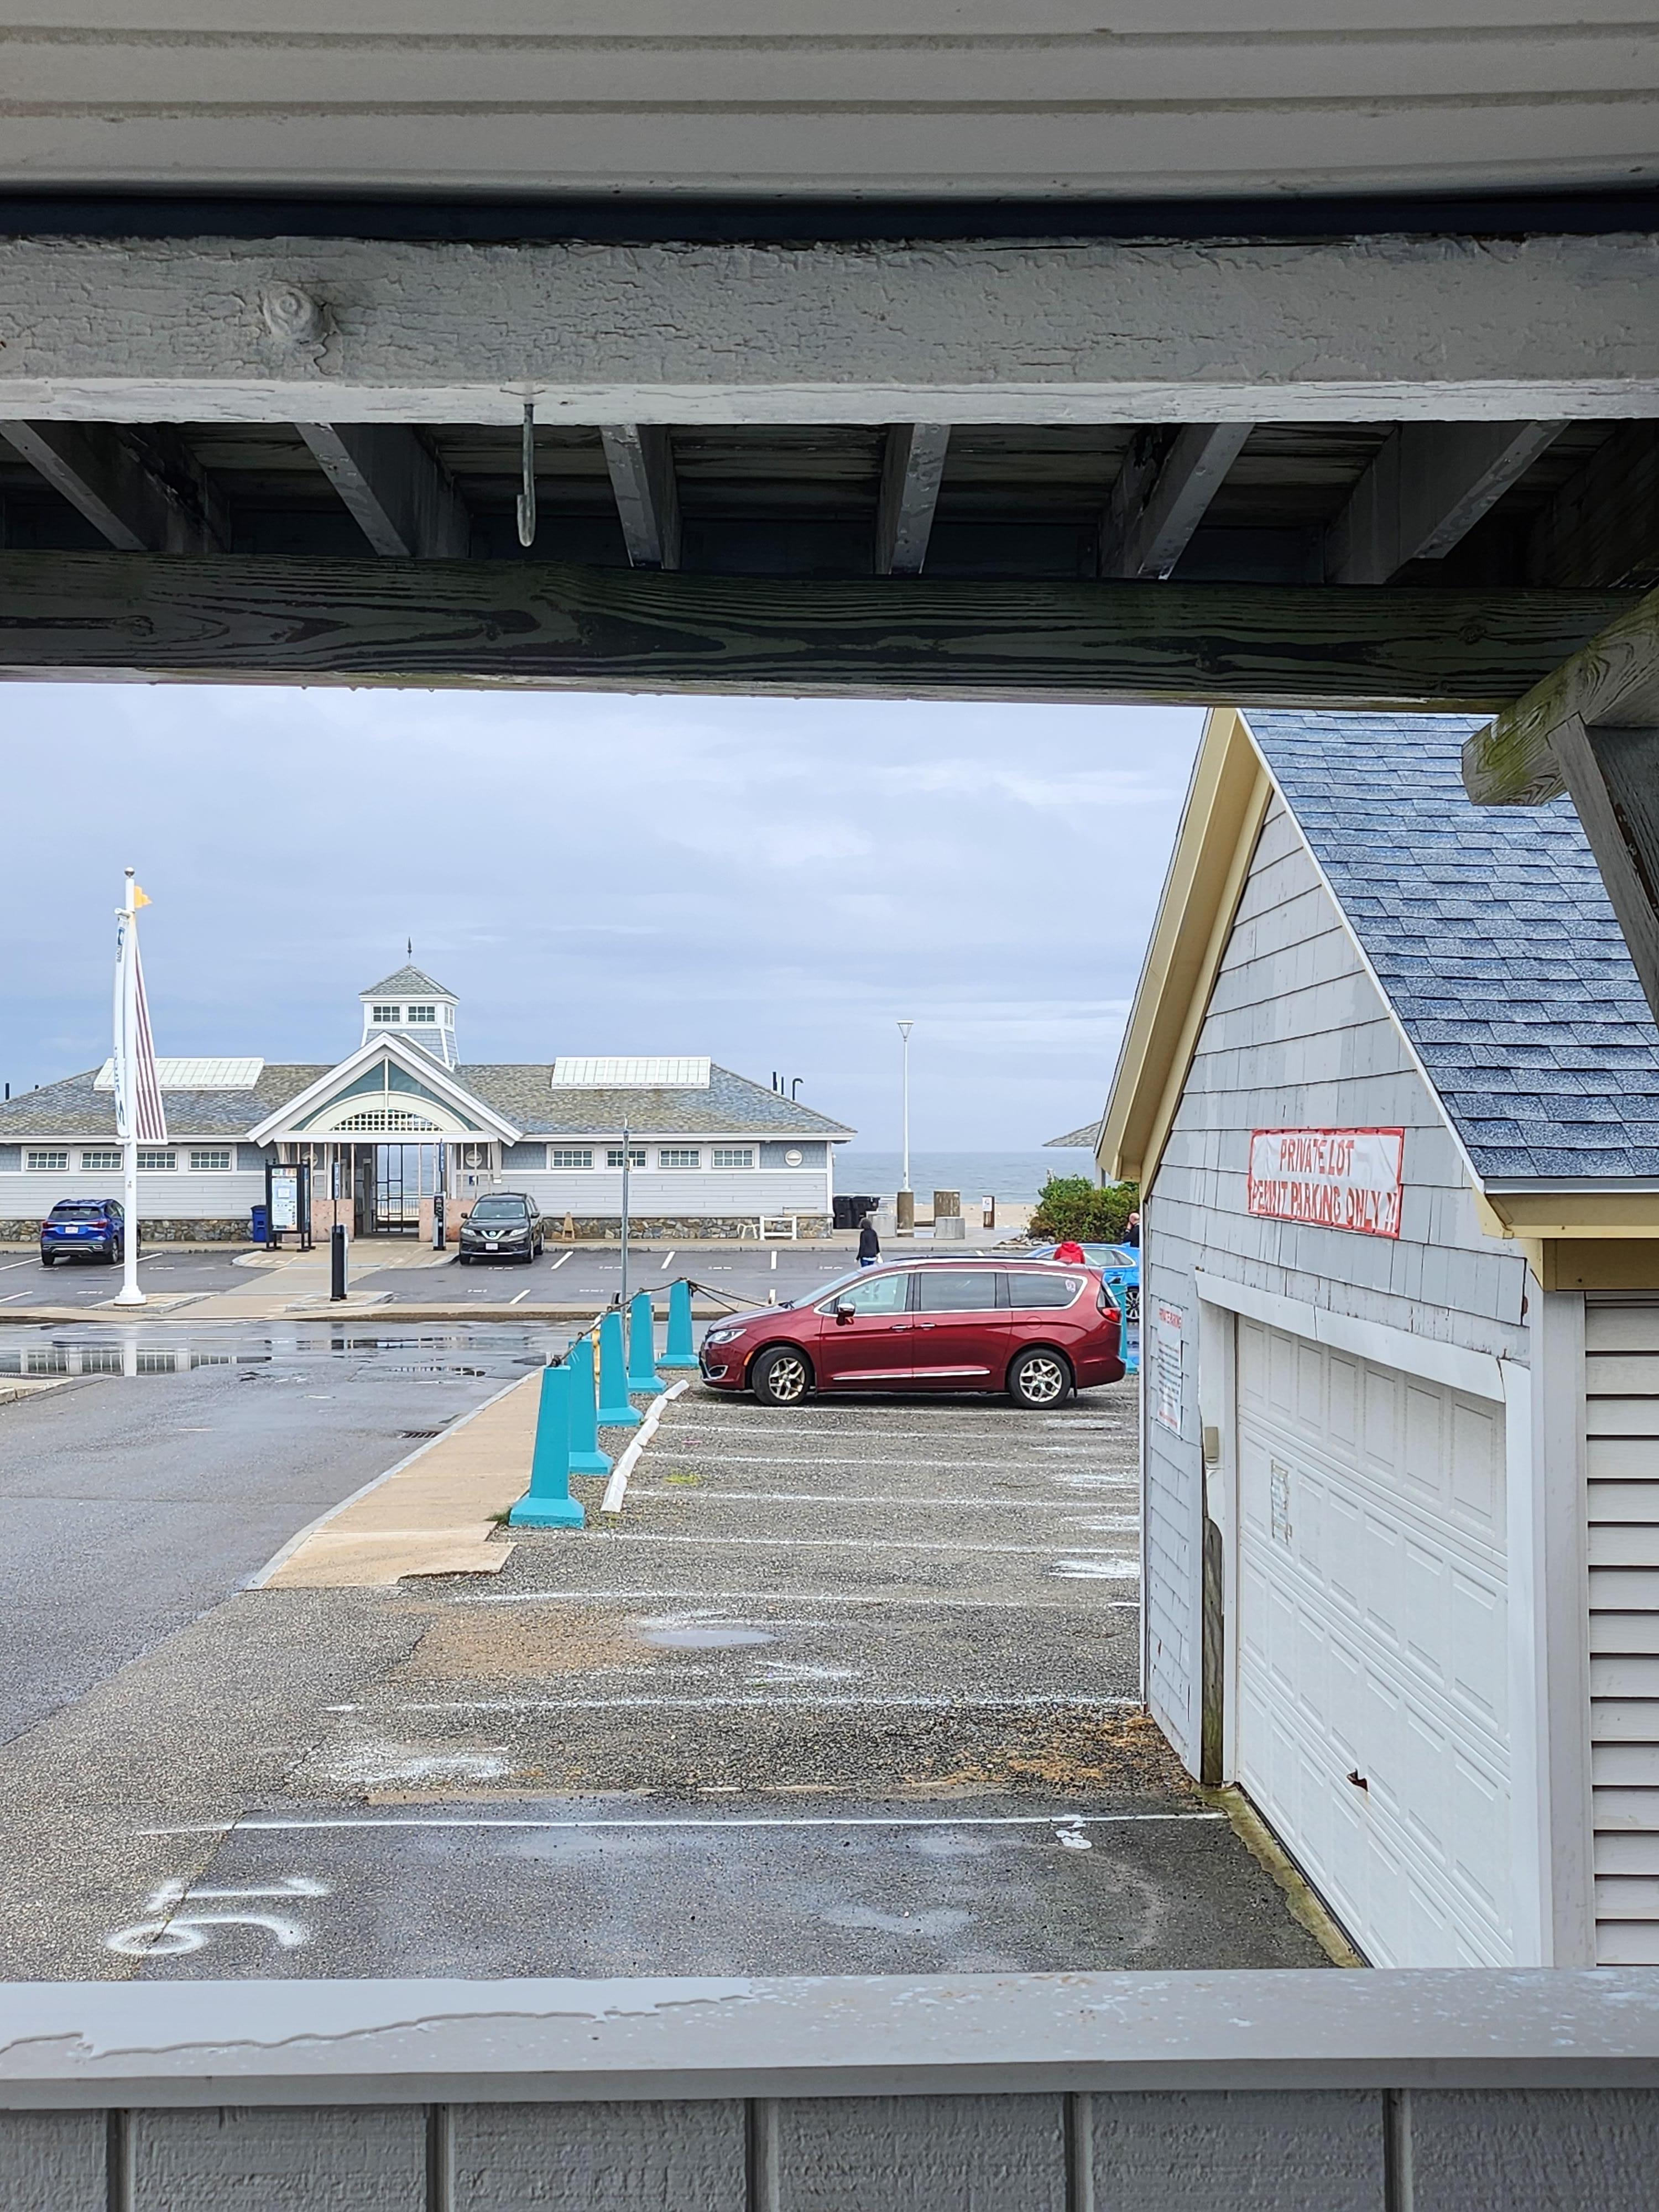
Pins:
x,y
491,1248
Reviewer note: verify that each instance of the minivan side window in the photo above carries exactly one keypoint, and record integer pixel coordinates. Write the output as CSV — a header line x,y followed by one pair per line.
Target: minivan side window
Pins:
x,y
1027,1290
956,1289
882,1294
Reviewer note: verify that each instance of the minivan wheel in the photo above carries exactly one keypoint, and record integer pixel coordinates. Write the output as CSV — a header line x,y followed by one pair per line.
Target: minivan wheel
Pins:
x,y
1039,1379
780,1377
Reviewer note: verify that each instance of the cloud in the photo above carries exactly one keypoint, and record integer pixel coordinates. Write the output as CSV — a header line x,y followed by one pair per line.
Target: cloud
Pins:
x,y
772,881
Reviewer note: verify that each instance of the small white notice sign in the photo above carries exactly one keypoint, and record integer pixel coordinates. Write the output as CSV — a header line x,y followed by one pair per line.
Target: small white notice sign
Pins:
x,y
1335,1178
1168,1324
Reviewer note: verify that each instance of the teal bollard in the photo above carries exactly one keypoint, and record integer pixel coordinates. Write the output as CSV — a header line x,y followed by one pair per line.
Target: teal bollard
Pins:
x,y
642,1345
614,1411
548,1504
585,1457
681,1352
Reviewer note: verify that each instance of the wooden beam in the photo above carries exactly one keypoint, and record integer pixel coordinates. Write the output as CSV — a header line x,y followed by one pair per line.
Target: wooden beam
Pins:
x,y
1429,485
912,470
140,490
528,623
1601,528
1373,329
1613,680
399,495
642,464
1161,494
1612,775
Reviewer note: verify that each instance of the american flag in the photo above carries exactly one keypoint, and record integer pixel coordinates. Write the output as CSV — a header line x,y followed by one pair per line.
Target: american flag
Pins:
x,y
139,1113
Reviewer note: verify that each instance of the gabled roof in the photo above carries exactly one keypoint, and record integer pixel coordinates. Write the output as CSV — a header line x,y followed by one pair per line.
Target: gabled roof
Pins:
x,y
406,983
1487,928
75,1107
1075,1140
384,1046
729,1105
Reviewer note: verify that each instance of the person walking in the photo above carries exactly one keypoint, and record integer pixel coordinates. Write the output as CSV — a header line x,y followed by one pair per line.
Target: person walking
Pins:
x,y
869,1243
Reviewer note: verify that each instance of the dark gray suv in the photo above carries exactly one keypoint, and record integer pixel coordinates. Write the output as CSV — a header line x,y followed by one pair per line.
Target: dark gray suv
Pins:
x,y
504,1224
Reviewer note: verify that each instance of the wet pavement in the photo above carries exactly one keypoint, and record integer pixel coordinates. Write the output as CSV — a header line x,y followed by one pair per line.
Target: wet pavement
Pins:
x,y
847,1689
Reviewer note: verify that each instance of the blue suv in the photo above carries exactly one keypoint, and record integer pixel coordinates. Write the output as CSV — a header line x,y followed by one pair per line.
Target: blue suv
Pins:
x,y
96,1226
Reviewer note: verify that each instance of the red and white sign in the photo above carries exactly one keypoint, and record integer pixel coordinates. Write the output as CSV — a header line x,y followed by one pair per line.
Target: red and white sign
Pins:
x,y
1336,1178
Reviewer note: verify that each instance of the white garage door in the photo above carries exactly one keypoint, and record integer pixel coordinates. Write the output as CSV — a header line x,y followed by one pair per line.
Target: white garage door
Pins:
x,y
1371,1642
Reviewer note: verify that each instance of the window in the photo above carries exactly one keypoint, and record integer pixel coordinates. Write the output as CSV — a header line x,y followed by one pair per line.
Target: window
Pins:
x,y
792,1158
880,1294
678,1156
734,1155
956,1289
1030,1291
157,1163
570,1156
213,1161
46,1162
423,1014
613,1158
383,1119
107,1163
387,1015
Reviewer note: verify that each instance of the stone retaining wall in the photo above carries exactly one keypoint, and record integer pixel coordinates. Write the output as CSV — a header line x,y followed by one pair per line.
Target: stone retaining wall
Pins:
x,y
605,1229
235,1230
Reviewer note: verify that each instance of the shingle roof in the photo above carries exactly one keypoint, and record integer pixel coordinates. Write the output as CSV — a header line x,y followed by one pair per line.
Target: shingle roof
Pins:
x,y
1076,1141
523,1093
405,983
1491,932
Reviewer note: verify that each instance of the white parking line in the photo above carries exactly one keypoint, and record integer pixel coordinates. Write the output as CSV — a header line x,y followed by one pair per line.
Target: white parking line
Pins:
x,y
911,1599
746,1703
522,1295
859,1544
305,1824
664,1264
856,1497
773,1459
560,1262
32,1261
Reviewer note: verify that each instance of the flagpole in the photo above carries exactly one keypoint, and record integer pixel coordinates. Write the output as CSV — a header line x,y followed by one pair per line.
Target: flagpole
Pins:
x,y
127,1103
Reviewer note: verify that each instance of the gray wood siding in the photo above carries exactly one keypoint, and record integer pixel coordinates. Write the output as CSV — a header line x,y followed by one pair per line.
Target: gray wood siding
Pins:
x,y
1297,1034
1621,1433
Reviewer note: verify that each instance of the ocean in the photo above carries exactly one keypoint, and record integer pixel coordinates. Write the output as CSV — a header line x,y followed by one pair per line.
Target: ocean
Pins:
x,y
1013,1177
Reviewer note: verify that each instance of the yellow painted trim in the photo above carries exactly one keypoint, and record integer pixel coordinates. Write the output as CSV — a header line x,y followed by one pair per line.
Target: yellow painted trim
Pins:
x,y
1601,1263
1574,1213
1223,819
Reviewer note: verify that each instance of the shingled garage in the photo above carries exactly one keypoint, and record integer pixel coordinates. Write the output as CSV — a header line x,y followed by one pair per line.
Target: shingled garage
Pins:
x,y
1393,1087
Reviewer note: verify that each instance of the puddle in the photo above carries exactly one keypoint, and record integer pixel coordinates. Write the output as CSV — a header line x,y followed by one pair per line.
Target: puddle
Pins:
x,y
704,1639
1097,1570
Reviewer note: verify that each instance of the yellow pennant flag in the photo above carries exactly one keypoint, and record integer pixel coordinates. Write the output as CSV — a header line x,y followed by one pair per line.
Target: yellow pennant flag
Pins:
x,y
140,897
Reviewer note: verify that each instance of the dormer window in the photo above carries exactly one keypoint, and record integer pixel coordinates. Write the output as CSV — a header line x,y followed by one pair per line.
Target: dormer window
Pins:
x,y
385,1017
423,1013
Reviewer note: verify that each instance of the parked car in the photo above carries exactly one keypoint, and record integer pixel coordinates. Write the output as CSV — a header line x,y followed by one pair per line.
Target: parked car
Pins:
x,y
1036,1330
96,1227
1120,1267
503,1225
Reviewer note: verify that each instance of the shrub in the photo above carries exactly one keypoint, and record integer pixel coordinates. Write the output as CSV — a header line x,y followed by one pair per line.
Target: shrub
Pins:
x,y
1072,1206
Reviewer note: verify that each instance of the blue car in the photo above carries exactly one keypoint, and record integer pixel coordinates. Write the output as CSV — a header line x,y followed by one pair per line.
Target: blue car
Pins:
x,y
94,1226
1119,1267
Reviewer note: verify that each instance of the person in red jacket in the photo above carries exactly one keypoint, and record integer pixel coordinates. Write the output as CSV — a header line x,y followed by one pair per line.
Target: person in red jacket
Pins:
x,y
1072,1253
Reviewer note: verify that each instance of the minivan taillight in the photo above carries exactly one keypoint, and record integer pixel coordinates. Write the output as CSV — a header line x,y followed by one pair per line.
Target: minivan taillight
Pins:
x,y
1106,1305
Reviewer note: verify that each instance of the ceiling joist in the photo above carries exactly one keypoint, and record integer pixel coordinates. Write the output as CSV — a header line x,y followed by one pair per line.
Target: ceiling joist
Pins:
x,y
1162,494
139,489
400,498
641,460
912,470
1427,488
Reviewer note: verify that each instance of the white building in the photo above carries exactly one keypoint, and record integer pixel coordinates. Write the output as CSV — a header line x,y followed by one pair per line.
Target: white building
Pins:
x,y
401,1119
1391,1086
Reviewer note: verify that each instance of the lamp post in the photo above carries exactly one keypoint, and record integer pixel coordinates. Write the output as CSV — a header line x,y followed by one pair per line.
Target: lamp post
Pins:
x,y
623,1300
904,1206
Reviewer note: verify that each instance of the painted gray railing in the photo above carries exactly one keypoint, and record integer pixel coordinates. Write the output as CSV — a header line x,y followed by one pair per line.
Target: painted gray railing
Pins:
x,y
1301,2092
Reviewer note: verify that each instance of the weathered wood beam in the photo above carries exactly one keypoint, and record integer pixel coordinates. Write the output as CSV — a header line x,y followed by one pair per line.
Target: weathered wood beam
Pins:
x,y
140,490
641,460
1391,329
1612,680
527,623
1611,776
1428,486
1602,529
399,495
1162,492
912,470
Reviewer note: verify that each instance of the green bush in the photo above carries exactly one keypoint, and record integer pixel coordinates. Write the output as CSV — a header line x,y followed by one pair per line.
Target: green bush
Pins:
x,y
1072,1206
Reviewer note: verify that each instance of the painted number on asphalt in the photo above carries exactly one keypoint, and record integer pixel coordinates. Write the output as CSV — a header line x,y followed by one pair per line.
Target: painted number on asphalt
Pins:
x,y
177,1924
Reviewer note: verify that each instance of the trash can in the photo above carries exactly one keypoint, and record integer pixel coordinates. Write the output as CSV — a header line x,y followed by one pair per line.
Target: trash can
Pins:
x,y
261,1224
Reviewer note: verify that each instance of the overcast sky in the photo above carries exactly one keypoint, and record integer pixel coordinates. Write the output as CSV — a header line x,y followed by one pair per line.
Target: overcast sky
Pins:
x,y
771,882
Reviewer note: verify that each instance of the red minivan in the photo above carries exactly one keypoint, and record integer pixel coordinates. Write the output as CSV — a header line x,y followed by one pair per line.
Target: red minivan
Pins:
x,y
1034,1328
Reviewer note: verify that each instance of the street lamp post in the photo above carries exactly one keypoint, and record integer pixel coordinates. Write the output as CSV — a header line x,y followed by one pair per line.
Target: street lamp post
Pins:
x,y
904,1206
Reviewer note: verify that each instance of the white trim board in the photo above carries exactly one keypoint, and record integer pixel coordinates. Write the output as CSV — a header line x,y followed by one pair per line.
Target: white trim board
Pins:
x,y
1478,1373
